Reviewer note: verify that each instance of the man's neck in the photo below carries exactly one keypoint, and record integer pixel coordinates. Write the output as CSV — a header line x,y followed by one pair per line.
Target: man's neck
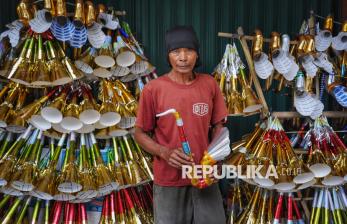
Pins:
x,y
182,78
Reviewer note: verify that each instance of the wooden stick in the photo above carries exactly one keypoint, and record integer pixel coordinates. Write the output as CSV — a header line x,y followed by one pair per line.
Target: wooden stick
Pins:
x,y
292,114
247,37
257,86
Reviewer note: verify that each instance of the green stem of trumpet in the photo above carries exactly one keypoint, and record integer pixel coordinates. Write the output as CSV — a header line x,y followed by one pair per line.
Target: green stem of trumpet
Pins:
x,y
82,159
46,212
30,48
10,213
124,154
23,211
51,148
3,147
125,139
243,77
5,144
4,200
36,211
115,150
39,151
14,149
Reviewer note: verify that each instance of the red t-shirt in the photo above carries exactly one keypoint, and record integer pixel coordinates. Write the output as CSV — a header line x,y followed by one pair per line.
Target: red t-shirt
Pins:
x,y
200,105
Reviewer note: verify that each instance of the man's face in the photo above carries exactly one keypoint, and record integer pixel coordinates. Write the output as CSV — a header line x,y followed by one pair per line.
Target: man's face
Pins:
x,y
183,60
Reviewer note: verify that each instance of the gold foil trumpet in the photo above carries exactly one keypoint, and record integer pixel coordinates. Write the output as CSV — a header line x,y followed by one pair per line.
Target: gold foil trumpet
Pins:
x,y
85,62
69,179
8,104
109,116
235,105
49,5
60,10
138,174
89,109
103,175
85,173
8,160
40,73
26,169
251,103
53,111
18,119
71,69
45,182
20,68
71,113
116,165
59,74
79,17
90,13
24,12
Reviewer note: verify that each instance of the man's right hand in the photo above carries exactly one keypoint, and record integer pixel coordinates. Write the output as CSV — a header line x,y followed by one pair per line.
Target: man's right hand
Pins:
x,y
176,157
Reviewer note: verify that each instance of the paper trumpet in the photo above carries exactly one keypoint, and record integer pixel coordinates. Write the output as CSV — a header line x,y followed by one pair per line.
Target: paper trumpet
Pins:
x,y
8,160
85,174
104,181
46,183
218,150
69,179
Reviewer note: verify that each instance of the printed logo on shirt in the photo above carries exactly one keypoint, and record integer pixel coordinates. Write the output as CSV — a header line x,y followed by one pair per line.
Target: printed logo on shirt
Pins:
x,y
200,109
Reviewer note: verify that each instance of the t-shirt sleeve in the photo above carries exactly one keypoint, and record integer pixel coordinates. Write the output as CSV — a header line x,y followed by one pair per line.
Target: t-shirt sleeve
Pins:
x,y
146,113
219,112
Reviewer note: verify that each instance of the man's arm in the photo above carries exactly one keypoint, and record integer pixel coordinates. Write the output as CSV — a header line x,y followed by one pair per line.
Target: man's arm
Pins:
x,y
174,157
216,129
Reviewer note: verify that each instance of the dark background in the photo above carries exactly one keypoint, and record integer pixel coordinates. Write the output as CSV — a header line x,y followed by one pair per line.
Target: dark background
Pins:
x,y
149,19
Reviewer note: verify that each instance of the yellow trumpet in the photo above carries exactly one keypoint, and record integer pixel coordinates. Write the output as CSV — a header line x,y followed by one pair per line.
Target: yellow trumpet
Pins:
x,y
24,12
18,119
40,72
73,72
90,14
79,17
59,74
69,178
251,103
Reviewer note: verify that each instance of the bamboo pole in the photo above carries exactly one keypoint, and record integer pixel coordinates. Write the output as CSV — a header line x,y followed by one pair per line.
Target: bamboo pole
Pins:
x,y
254,77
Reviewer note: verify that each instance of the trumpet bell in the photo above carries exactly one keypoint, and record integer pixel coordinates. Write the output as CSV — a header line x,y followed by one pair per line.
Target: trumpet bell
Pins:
x,y
4,108
86,128
89,189
70,121
89,115
59,76
102,134
115,131
250,100
331,181
39,122
52,112
320,170
45,185
25,177
105,61
11,191
5,171
235,106
69,179
108,115
103,179
102,73
303,178
125,58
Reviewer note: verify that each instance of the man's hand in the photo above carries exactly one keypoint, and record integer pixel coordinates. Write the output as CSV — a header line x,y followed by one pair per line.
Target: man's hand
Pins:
x,y
175,157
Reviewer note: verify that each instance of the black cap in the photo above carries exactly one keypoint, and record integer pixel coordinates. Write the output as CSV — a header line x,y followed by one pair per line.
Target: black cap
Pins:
x,y
182,37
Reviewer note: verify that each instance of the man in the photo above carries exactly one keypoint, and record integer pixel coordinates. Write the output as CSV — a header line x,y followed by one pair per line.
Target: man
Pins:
x,y
200,103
